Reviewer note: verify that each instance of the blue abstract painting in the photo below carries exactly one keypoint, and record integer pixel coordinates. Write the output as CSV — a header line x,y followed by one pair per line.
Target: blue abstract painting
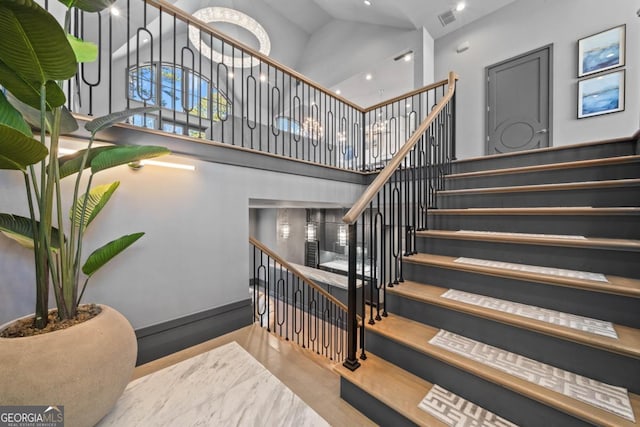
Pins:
x,y
601,51
599,95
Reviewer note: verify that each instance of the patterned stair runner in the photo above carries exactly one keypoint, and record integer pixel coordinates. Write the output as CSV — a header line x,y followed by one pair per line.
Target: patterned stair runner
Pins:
x,y
604,396
581,323
549,271
503,233
454,411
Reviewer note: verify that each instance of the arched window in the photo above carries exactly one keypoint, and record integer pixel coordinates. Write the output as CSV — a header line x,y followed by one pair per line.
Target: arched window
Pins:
x,y
288,124
176,88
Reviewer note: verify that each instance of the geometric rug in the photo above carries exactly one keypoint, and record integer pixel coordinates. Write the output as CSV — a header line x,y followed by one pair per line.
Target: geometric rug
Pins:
x,y
581,323
604,396
550,271
454,411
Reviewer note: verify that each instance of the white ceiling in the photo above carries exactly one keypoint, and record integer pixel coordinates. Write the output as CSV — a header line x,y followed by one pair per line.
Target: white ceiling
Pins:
x,y
390,78
404,14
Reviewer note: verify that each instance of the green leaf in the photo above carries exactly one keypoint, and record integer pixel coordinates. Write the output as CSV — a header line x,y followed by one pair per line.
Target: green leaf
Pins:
x,y
17,150
84,51
109,120
71,163
106,253
89,5
124,155
98,198
11,117
20,229
34,44
29,91
68,123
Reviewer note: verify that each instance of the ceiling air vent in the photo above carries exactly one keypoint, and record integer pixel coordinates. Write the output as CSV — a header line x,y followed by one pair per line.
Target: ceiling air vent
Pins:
x,y
446,18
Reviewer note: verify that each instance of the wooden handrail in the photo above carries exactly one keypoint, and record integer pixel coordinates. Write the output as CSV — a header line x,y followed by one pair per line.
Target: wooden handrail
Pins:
x,y
188,18
296,272
407,95
384,176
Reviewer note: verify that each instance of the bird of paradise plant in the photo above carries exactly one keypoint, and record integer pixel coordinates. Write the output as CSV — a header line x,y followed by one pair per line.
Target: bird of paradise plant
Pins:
x,y
37,55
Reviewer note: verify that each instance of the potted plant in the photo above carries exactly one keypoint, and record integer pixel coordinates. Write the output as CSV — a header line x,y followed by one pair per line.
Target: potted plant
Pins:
x,y
84,367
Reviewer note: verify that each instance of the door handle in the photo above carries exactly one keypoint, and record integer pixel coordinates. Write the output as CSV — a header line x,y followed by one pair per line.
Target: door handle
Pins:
x,y
542,131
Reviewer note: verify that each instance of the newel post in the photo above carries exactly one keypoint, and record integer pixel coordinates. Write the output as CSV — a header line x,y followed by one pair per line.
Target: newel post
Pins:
x,y
352,322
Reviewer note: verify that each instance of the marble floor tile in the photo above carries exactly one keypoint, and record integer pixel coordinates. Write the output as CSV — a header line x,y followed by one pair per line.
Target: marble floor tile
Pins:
x,y
223,387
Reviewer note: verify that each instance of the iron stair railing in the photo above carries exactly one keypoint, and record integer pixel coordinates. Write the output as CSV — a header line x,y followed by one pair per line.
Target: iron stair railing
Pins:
x,y
383,222
289,304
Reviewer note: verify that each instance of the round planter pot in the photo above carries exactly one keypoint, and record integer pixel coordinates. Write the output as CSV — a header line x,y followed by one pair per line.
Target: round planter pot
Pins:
x,y
84,368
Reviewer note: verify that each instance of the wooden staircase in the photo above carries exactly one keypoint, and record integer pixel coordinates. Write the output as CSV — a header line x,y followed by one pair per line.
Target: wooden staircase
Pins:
x,y
528,276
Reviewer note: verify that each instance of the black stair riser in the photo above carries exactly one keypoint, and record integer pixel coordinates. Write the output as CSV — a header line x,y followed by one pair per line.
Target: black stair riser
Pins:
x,y
625,148
608,226
499,400
601,365
374,409
613,262
594,197
596,173
614,308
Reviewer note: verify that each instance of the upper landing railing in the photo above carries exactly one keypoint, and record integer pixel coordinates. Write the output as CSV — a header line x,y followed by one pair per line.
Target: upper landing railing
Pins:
x,y
209,86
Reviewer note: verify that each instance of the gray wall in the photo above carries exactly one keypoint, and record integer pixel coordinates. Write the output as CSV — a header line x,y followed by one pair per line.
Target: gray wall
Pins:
x,y
526,25
195,254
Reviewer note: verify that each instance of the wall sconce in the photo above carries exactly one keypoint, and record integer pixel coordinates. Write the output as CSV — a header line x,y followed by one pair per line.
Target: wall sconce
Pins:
x,y
171,165
63,151
310,232
342,235
285,230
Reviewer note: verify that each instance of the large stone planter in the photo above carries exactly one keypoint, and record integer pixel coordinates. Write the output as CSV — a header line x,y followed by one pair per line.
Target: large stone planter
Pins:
x,y
85,368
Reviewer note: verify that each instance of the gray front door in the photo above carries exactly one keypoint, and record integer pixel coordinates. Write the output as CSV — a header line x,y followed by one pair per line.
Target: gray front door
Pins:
x,y
518,103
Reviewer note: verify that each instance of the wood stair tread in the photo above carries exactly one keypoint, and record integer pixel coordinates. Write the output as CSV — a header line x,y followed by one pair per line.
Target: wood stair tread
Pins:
x,y
579,145
524,238
615,285
549,166
416,336
627,344
564,186
393,386
569,210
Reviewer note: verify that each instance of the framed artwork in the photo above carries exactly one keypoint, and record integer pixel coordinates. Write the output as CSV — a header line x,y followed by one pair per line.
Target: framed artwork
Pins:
x,y
601,94
602,51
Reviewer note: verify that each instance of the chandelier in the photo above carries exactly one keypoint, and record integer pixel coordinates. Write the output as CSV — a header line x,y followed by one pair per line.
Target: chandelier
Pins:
x,y
312,128
235,17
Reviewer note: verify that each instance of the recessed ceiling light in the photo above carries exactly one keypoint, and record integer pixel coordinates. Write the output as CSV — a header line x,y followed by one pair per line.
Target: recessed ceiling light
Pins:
x,y
230,74
368,76
460,6
367,2
263,78
114,11
338,91
408,105
408,57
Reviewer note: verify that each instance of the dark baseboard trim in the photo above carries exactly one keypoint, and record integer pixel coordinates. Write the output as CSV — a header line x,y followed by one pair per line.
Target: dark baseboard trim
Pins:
x,y
174,335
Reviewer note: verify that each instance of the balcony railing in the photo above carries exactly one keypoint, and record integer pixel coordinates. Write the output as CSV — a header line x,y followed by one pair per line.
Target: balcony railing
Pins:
x,y
209,86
